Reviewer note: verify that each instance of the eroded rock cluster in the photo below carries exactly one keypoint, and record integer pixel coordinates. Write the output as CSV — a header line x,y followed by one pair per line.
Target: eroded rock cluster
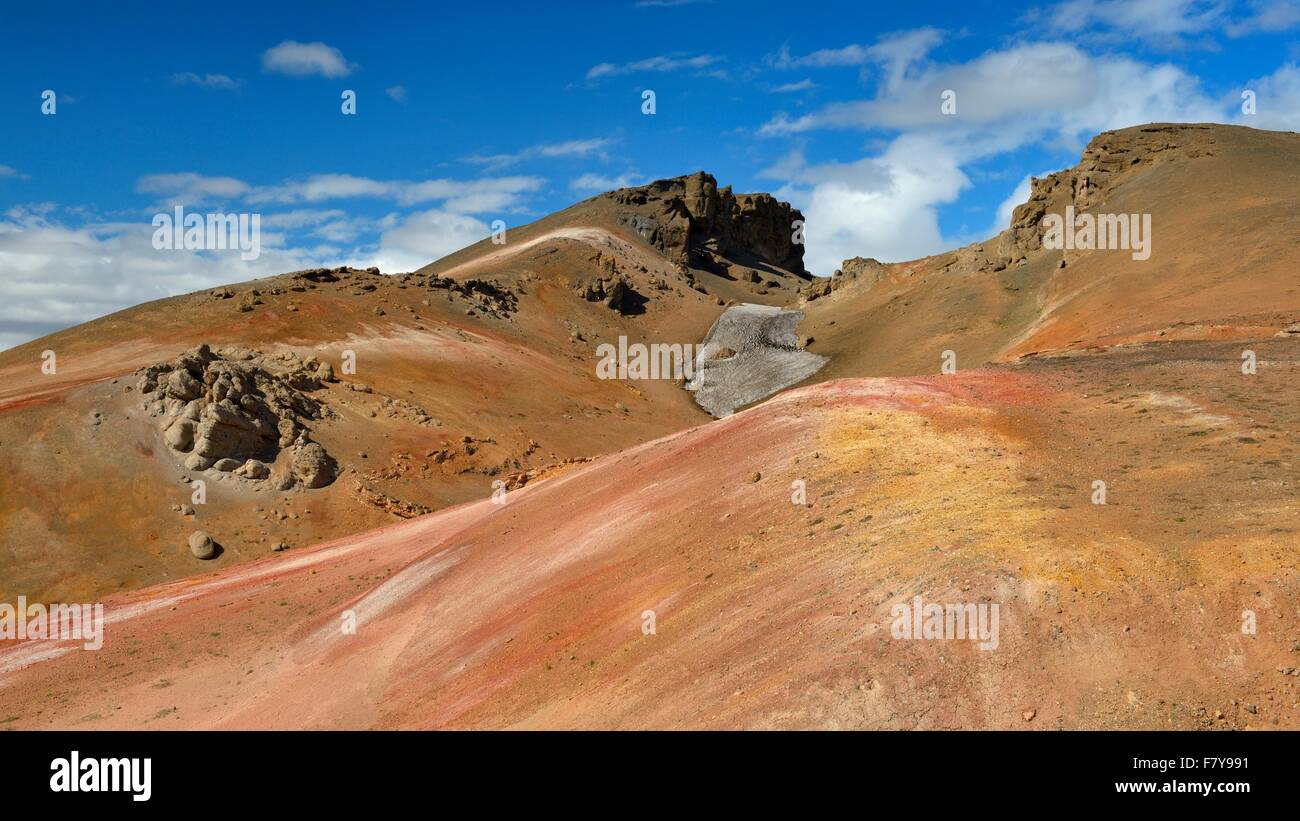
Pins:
x,y
693,222
236,411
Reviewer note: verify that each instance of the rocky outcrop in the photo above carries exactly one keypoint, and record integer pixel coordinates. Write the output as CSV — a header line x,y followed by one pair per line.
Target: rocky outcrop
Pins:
x,y
1110,158
693,222
609,286
235,410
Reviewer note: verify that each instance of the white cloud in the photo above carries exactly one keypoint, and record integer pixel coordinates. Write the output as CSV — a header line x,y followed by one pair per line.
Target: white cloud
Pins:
x,y
398,93
205,81
1266,16
802,85
1028,87
6,171
305,59
426,236
597,183
56,275
1277,100
894,52
1164,22
674,62
886,205
190,188
466,196
569,148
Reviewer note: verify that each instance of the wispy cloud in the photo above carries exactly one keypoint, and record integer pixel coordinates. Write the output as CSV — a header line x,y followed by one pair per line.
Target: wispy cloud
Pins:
x,y
673,62
191,188
398,93
802,85
221,81
1266,16
569,148
459,196
305,59
1161,23
598,183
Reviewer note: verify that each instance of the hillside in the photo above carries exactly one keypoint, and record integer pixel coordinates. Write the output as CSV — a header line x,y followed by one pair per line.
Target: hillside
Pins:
x,y
1103,466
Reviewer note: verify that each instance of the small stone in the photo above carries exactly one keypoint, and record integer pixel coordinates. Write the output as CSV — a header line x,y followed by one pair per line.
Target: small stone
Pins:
x,y
202,546
755,476
1028,715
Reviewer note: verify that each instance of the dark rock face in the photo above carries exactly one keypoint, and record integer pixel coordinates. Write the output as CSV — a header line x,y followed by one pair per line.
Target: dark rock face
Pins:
x,y
693,222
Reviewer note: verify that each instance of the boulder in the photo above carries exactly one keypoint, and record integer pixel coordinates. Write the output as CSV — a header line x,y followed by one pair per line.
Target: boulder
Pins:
x,y
202,546
312,466
253,469
180,434
182,385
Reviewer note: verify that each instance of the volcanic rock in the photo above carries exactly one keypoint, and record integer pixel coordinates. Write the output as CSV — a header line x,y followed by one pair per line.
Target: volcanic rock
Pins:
x,y
693,222
235,409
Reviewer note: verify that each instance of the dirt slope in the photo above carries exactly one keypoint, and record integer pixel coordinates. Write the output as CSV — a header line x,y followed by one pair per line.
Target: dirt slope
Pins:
x,y
970,488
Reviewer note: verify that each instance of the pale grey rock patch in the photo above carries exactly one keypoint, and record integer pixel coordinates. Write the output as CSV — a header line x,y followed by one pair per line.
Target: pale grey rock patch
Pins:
x,y
750,353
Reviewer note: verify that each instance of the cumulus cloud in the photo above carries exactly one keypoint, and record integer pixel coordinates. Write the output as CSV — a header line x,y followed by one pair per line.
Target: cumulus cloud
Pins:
x,y
886,205
1040,85
426,236
1277,100
305,59
57,275
61,271
672,62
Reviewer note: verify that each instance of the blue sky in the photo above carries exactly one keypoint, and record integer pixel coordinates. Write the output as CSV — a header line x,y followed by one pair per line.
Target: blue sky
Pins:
x,y
468,113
